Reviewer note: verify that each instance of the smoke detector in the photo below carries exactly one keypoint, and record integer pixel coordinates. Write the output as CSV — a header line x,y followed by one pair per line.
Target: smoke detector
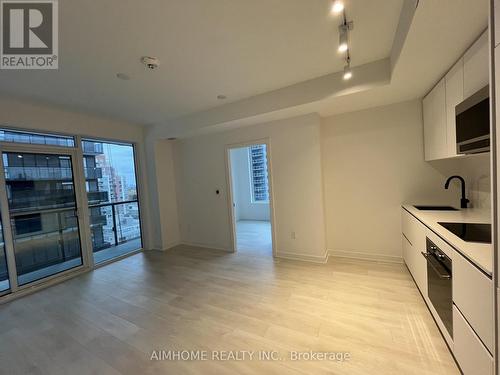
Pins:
x,y
150,62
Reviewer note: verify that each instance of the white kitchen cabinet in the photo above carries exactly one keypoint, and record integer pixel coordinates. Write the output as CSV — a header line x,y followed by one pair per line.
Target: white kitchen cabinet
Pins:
x,y
466,77
413,246
470,353
497,21
435,131
473,295
454,82
476,66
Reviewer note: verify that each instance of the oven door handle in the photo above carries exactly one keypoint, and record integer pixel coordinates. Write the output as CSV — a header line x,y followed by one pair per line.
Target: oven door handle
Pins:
x,y
435,267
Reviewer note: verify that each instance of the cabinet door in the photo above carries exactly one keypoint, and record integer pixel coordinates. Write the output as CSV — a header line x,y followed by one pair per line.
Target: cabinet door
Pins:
x,y
454,95
413,246
497,22
473,295
476,66
470,353
435,131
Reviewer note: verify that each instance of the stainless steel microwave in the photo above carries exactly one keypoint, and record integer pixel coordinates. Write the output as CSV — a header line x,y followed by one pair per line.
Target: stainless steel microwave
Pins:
x,y
472,121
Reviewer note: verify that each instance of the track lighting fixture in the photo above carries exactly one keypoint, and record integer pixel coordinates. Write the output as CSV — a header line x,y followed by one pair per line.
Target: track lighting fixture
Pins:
x,y
344,28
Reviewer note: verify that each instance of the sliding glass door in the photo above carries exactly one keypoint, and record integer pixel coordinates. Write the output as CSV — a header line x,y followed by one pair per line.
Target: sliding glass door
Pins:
x,y
65,205
112,196
4,273
42,204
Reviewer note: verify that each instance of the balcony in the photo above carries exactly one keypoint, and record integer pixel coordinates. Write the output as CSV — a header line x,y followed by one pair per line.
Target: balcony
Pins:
x,y
93,148
38,173
119,225
21,200
93,173
96,197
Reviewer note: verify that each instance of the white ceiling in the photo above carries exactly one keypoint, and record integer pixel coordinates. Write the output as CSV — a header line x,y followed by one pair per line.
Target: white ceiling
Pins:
x,y
238,48
441,31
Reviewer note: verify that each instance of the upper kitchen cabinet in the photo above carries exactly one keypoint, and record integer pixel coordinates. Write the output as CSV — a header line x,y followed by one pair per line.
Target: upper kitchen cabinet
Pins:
x,y
466,77
435,132
476,66
496,8
454,82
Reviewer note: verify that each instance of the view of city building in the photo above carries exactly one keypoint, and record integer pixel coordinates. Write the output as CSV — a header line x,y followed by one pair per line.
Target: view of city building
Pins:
x,y
112,194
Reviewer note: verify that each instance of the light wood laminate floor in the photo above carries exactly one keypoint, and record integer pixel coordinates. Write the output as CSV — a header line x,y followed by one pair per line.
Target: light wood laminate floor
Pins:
x,y
109,321
254,238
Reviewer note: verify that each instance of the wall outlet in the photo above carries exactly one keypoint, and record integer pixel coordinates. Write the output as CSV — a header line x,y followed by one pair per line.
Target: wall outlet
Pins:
x,y
293,235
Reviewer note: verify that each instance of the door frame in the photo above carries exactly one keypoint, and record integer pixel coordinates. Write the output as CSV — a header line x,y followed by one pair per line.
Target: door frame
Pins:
x,y
81,211
229,183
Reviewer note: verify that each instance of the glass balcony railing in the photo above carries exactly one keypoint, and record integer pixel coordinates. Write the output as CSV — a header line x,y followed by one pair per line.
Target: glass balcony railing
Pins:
x,y
38,200
114,224
7,135
96,197
38,173
45,243
90,147
93,173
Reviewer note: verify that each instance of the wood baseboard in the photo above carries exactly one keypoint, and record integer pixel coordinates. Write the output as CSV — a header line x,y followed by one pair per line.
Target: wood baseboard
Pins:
x,y
365,256
303,257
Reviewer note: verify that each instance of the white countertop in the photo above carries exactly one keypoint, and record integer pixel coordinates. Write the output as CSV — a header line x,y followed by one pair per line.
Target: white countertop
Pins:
x,y
478,253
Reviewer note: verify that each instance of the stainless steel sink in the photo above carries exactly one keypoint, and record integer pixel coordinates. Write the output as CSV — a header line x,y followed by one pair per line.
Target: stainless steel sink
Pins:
x,y
436,208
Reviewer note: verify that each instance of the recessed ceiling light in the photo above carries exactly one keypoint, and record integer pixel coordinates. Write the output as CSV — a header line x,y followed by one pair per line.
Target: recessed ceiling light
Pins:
x,y
337,6
221,97
123,76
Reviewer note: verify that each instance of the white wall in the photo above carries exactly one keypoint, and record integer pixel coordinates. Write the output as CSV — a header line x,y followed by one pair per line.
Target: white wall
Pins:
x,y
244,208
296,179
372,162
365,164
166,195
35,116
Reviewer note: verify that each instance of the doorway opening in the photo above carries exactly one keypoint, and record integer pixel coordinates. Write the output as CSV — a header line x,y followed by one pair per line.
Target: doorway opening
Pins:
x,y
251,203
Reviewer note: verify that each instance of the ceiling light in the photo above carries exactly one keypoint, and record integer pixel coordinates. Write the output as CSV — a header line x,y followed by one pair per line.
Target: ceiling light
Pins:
x,y
20,156
343,46
347,72
337,6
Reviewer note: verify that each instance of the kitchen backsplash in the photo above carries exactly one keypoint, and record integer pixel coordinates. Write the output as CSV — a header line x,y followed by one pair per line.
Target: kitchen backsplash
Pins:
x,y
476,171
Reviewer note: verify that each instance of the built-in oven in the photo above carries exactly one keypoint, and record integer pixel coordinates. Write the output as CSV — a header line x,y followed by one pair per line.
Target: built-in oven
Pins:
x,y
439,283
472,122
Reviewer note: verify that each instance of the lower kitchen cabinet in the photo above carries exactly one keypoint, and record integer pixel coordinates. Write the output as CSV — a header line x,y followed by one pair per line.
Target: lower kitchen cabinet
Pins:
x,y
470,353
469,308
413,246
473,295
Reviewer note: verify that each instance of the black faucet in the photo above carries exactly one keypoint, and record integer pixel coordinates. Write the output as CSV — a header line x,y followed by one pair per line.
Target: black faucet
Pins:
x,y
463,200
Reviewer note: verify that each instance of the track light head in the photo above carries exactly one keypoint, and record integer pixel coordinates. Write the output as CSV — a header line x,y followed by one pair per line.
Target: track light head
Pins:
x,y
337,6
343,43
347,72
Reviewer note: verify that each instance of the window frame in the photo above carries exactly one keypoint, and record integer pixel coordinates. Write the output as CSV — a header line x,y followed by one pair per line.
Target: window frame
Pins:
x,y
76,152
251,176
